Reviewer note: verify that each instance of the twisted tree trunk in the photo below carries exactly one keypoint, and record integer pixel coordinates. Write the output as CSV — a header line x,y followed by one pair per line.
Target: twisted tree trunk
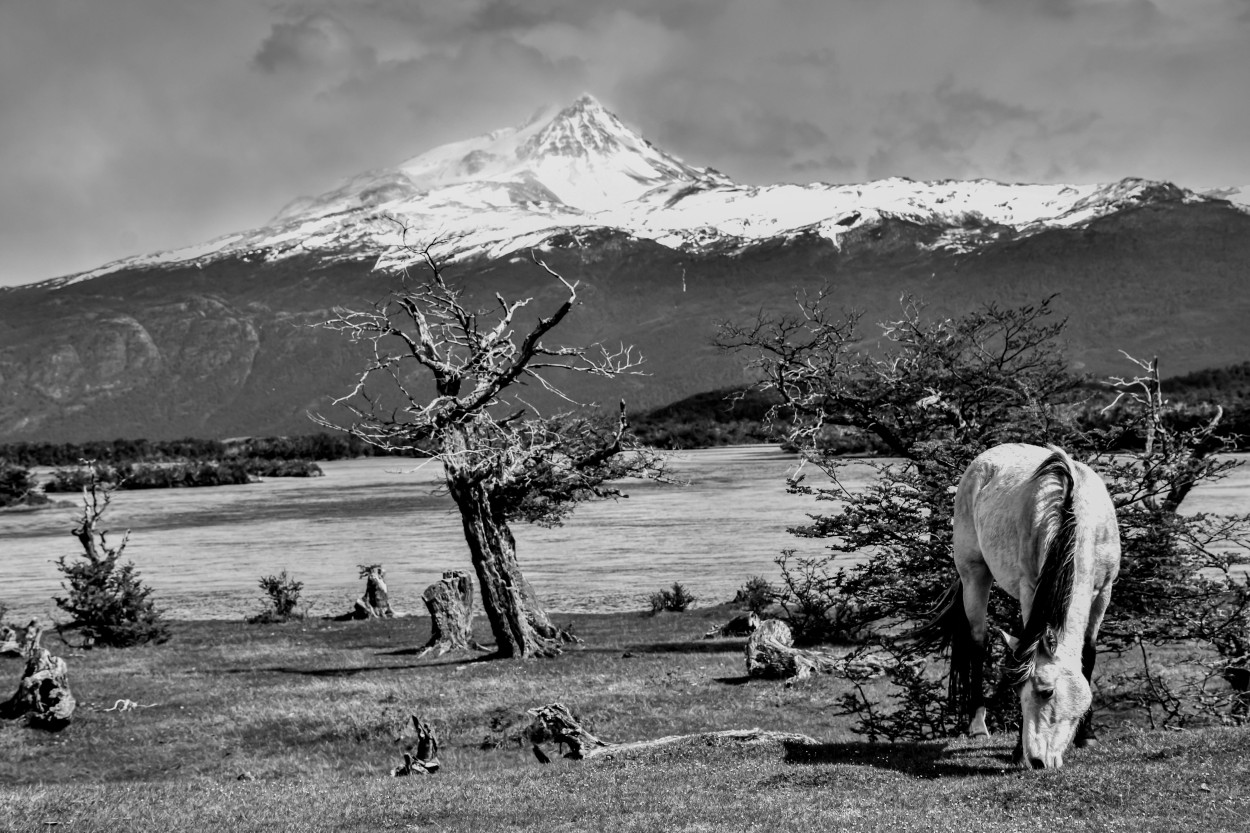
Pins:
x,y
517,619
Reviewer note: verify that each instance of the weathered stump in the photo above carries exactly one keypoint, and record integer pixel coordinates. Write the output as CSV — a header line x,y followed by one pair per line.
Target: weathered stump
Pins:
x,y
450,602
43,694
425,761
555,723
375,602
13,645
737,626
770,654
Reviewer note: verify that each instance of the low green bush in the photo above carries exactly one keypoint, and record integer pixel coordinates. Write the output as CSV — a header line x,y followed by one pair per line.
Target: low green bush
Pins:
x,y
675,600
282,593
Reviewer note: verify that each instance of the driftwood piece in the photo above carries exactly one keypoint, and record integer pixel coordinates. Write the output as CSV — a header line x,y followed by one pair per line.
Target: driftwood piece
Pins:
x,y
450,602
554,722
425,761
770,654
43,694
737,626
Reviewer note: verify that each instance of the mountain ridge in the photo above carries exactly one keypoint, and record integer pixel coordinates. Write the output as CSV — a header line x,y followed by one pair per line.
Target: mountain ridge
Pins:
x,y
515,188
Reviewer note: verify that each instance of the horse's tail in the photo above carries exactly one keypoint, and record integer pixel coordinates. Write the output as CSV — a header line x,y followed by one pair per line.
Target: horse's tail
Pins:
x,y
1055,548
948,628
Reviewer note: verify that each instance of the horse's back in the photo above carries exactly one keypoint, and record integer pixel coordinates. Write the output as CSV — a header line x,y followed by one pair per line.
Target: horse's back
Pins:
x,y
996,514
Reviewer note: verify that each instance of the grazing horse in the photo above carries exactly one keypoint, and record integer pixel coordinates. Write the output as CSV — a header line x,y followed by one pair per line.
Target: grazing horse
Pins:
x,y
1043,527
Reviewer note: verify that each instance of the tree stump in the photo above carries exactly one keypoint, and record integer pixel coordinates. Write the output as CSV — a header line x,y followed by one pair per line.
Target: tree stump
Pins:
x,y
375,603
770,654
554,722
43,693
450,602
425,762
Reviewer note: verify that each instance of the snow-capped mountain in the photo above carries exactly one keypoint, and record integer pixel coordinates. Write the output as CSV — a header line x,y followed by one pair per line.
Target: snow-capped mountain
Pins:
x,y
220,339
582,168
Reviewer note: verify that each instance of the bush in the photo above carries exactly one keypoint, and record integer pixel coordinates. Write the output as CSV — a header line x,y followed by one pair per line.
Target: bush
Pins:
x,y
756,594
675,600
262,467
18,487
106,600
282,593
159,475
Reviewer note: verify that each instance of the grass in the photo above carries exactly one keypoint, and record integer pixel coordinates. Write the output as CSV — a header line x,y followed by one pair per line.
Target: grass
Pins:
x,y
312,711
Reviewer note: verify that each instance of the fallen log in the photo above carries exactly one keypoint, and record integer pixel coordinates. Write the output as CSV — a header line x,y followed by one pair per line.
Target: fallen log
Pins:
x,y
555,723
450,603
43,694
425,761
771,655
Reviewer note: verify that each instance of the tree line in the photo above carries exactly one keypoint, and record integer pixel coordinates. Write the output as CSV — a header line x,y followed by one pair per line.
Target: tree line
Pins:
x,y
317,446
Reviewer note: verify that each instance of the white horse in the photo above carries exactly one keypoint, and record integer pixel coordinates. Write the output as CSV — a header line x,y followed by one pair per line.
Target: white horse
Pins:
x,y
1043,527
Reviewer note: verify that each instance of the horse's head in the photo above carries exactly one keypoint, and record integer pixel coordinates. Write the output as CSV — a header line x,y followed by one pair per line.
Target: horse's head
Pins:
x,y
1054,696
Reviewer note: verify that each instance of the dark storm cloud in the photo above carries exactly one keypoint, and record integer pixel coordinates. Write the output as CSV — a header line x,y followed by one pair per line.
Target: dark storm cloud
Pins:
x,y
136,125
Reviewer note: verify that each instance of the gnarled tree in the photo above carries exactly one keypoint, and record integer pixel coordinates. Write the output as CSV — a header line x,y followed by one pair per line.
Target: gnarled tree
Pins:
x,y
447,368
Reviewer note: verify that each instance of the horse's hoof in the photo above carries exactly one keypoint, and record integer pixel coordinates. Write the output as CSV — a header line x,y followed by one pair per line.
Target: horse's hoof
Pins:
x,y
984,733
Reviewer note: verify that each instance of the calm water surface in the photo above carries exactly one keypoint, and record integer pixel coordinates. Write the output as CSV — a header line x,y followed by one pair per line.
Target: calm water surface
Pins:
x,y
204,550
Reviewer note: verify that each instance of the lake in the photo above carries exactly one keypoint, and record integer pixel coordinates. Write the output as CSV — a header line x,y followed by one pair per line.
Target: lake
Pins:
x,y
204,550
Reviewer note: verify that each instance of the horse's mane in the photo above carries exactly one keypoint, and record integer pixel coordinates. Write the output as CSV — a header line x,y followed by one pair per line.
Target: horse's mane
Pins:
x,y
1055,531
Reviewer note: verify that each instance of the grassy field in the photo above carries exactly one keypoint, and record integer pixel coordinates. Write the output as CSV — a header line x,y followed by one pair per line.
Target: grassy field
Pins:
x,y
294,727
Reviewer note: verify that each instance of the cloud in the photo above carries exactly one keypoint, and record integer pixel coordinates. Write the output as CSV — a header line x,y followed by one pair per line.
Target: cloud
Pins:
x,y
139,125
314,42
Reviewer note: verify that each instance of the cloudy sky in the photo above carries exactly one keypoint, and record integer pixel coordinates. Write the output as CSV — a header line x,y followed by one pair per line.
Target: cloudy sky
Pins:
x,y
128,126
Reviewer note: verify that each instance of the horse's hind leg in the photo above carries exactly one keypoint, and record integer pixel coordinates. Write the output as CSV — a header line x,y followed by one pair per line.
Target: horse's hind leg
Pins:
x,y
975,577
1089,653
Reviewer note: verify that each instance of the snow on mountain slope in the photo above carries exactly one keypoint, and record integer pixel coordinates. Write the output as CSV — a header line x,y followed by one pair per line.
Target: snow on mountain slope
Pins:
x,y
581,167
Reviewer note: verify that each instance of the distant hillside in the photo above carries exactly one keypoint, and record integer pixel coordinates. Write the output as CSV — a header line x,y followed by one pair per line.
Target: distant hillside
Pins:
x,y
1227,385
230,349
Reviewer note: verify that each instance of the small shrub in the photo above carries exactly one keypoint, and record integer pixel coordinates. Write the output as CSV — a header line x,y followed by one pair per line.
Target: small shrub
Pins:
x,y
283,597
757,594
105,599
675,600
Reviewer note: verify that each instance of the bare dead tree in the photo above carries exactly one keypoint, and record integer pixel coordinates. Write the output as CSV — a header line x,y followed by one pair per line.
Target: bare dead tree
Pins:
x,y
1171,461
439,383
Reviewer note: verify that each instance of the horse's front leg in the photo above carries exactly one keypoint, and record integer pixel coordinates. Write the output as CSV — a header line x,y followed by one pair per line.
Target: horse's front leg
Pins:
x,y
1085,730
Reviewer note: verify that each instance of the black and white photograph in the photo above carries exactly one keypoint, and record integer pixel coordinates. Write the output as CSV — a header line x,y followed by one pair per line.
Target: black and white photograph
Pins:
x,y
652,415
